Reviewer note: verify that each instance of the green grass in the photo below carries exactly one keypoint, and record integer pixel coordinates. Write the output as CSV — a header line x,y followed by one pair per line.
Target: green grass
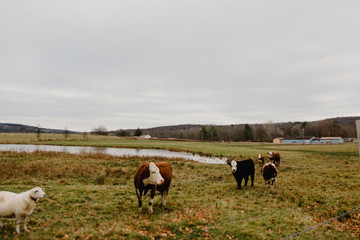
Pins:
x,y
91,196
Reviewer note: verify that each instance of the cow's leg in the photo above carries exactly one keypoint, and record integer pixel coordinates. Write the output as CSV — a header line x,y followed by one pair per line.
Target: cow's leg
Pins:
x,y
163,198
239,181
151,201
146,194
139,195
252,179
246,180
261,163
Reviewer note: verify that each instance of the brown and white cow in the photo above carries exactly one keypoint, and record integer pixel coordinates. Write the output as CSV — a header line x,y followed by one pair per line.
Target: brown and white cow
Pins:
x,y
274,158
269,172
261,159
150,177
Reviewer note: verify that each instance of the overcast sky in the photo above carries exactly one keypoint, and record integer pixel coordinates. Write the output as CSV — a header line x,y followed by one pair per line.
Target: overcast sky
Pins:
x,y
129,64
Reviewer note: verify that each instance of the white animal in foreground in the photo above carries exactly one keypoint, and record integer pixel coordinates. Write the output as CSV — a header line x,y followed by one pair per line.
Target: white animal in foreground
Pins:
x,y
22,204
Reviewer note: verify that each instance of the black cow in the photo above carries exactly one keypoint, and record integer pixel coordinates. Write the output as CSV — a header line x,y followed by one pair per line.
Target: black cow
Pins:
x,y
242,169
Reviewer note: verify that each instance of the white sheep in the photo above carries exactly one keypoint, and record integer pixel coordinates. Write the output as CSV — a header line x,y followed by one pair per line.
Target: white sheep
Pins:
x,y
22,204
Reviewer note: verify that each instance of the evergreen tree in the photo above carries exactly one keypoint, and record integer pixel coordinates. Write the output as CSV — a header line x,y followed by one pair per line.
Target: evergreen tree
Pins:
x,y
248,133
213,134
138,132
203,133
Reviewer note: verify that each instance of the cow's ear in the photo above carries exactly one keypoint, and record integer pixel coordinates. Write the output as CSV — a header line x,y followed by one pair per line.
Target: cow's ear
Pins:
x,y
146,172
228,163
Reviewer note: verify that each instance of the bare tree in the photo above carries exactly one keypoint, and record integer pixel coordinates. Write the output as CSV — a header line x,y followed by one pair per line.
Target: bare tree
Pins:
x,y
303,125
23,129
85,135
271,130
66,133
100,130
38,131
260,134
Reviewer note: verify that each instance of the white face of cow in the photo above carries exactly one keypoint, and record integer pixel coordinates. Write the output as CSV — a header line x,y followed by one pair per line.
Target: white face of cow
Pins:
x,y
270,154
233,166
155,176
259,156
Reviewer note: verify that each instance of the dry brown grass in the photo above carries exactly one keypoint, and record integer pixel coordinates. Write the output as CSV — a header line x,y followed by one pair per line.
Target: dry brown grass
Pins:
x,y
91,196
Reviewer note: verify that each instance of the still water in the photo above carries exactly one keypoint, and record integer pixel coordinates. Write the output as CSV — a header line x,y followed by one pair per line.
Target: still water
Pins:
x,y
113,152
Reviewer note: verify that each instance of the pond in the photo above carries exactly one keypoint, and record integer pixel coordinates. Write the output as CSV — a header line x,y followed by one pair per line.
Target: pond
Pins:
x,y
113,152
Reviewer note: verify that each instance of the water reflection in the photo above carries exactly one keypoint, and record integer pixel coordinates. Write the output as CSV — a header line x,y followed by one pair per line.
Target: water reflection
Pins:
x,y
113,152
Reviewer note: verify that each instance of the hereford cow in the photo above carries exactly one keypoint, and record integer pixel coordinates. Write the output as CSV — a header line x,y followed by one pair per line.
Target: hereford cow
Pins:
x,y
269,172
150,177
274,158
261,159
242,169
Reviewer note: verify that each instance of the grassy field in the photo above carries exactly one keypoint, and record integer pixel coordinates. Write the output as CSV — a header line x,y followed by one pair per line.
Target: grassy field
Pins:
x,y
91,196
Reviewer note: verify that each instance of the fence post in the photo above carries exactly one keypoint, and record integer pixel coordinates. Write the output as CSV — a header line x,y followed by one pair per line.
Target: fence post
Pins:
x,y
358,133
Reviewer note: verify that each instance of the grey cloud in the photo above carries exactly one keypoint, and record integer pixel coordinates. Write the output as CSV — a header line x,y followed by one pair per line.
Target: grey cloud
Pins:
x,y
126,64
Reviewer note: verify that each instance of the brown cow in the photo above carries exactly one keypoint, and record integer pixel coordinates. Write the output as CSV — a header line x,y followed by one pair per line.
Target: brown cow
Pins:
x,y
261,159
150,177
269,172
275,158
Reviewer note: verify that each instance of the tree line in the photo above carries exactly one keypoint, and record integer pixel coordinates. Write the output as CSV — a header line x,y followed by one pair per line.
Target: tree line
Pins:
x,y
250,132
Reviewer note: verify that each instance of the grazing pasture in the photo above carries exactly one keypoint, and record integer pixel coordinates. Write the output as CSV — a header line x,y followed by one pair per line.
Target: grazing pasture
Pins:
x,y
92,196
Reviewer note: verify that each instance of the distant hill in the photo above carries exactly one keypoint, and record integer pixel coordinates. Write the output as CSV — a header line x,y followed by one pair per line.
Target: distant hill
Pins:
x,y
340,120
344,120
19,128
339,126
